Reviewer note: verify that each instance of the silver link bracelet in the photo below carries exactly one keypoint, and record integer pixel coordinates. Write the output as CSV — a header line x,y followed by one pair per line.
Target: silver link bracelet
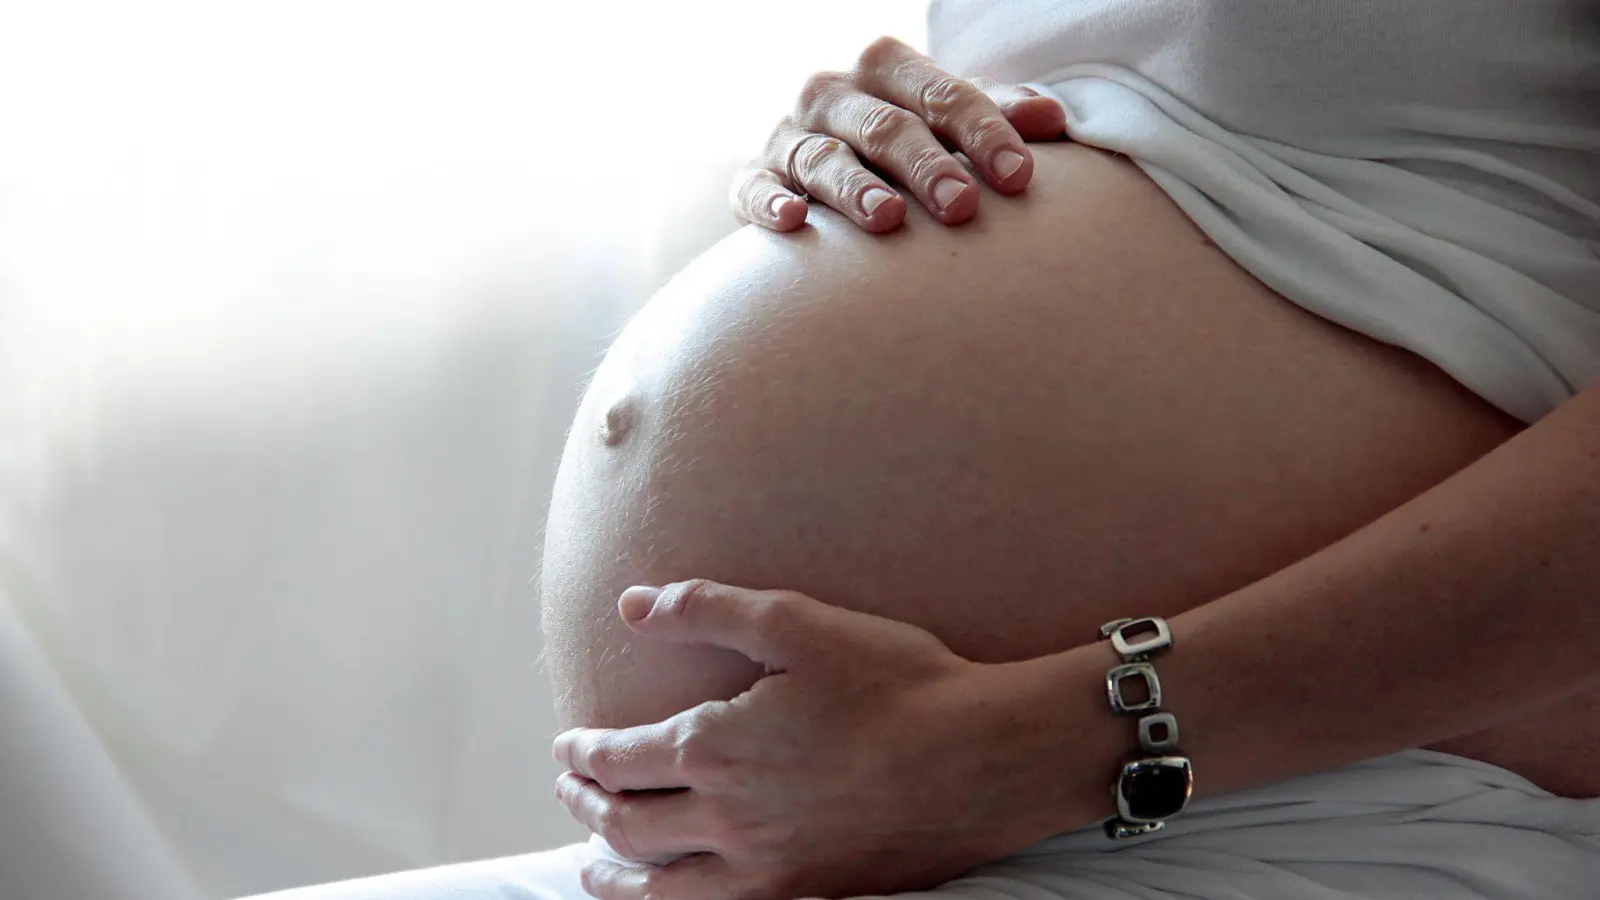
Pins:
x,y
1157,785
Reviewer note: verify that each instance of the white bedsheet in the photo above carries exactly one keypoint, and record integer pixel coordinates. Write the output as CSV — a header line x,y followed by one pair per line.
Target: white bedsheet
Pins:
x,y
1413,826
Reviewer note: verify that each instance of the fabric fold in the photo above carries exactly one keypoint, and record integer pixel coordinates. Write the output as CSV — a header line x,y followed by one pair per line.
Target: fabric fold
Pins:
x,y
1507,305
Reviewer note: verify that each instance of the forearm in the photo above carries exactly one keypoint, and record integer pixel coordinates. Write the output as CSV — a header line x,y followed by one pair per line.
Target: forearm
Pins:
x,y
1478,600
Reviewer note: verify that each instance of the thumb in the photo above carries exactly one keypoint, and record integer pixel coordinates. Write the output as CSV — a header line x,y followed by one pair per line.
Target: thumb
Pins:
x,y
769,627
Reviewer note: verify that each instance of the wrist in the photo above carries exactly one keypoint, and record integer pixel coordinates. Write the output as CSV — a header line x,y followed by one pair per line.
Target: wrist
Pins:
x,y
1057,720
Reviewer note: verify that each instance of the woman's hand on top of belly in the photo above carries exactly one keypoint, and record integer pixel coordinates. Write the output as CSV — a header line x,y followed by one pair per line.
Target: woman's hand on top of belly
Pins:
x,y
871,759
896,111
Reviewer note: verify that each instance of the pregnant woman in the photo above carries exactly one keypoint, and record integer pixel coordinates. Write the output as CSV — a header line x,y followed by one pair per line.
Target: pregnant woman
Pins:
x,y
1290,353
1292,347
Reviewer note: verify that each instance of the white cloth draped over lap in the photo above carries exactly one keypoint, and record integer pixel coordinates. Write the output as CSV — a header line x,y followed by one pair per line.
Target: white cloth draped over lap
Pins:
x,y
1415,824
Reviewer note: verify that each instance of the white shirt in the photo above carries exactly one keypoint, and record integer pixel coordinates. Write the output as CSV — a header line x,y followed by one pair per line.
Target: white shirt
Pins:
x,y
1426,172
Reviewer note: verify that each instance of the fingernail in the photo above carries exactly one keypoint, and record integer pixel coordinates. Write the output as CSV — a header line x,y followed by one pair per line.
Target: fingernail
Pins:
x,y
946,190
636,602
873,199
776,206
1007,162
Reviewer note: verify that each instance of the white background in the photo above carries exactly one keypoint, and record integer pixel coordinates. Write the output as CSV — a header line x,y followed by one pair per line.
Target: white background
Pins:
x,y
296,301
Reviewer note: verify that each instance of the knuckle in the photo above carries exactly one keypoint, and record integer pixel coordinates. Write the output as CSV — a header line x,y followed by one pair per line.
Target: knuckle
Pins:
x,y
987,131
881,127
886,50
703,769
814,153
609,824
686,746
793,599
778,611
817,88
689,743
597,765
927,164
683,601
943,96
695,753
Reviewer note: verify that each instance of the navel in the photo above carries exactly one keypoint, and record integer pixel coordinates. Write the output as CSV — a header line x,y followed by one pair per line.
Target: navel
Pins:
x,y
621,415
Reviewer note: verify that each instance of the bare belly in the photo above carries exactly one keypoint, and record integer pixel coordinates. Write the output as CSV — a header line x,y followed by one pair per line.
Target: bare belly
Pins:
x,y
1071,409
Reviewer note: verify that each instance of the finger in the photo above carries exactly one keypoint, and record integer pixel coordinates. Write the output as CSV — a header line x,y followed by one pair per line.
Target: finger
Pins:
x,y
640,825
642,758
952,108
759,197
703,876
824,167
770,627
1034,116
900,144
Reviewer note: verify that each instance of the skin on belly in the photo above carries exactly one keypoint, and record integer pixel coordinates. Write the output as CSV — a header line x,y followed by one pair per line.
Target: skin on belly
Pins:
x,y
1070,409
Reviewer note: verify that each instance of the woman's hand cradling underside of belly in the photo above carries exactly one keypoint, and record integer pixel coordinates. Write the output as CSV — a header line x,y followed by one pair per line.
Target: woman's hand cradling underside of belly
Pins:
x,y
868,759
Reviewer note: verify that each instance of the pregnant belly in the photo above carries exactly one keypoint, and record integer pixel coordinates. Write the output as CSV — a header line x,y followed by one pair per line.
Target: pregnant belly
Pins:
x,y
1071,409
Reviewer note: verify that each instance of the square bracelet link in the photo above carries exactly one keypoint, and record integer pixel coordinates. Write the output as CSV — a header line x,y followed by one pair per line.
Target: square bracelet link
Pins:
x,y
1152,684
1139,649
1167,742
